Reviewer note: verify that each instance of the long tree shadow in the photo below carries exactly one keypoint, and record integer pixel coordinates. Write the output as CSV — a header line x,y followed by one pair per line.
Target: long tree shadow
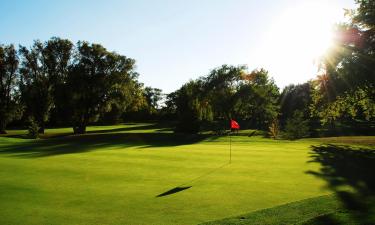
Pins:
x,y
90,142
350,173
158,127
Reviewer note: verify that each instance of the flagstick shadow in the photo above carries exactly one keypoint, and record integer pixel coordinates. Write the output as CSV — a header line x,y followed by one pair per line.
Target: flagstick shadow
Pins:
x,y
185,186
173,191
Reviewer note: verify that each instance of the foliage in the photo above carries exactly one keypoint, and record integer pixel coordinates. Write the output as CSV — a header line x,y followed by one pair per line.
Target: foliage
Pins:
x,y
256,99
358,103
345,85
190,107
43,70
153,97
98,81
219,89
295,97
227,92
61,84
10,108
150,108
296,127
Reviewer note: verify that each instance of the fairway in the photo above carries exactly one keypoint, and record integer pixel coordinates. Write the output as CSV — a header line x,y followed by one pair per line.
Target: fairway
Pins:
x,y
145,174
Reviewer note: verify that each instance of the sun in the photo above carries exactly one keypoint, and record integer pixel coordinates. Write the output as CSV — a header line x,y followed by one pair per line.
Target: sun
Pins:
x,y
297,39
305,29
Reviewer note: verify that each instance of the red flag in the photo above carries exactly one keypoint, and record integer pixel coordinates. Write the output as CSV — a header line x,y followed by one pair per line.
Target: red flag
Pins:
x,y
234,125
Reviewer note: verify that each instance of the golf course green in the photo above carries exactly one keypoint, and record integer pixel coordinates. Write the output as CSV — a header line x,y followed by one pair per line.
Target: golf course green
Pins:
x,y
146,174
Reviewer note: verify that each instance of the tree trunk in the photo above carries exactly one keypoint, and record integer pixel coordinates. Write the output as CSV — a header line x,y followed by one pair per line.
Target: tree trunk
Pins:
x,y
2,127
41,128
79,129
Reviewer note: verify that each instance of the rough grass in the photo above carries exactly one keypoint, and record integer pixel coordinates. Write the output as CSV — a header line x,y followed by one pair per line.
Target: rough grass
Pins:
x,y
144,174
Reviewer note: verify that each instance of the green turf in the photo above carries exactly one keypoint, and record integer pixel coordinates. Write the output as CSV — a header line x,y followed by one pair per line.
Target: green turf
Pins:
x,y
298,212
322,210
114,175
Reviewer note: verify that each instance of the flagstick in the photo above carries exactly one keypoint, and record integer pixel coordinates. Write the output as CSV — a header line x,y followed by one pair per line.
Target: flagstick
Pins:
x,y
230,147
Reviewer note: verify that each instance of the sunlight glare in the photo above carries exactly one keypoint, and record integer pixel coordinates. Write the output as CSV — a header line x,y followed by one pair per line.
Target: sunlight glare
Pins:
x,y
296,40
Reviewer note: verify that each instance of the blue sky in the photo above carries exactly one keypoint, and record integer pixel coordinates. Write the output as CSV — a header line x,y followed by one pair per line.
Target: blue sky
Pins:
x,y
172,41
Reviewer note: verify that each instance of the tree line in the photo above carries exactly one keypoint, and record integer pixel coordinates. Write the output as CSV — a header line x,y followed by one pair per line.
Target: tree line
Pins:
x,y
59,83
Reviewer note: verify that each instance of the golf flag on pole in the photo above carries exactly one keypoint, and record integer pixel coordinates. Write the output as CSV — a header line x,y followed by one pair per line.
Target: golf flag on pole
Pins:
x,y
234,125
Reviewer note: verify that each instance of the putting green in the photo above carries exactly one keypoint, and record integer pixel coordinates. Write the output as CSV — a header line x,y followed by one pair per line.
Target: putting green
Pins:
x,y
115,174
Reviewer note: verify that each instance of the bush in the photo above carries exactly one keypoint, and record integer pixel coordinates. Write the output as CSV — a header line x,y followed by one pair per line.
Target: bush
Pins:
x,y
296,127
33,129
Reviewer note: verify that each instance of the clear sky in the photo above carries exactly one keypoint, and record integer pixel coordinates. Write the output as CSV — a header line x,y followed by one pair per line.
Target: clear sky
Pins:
x,y
177,40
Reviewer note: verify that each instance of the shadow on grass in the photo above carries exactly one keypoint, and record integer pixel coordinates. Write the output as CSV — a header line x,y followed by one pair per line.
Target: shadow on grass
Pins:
x,y
350,173
89,142
42,136
185,186
173,191
158,127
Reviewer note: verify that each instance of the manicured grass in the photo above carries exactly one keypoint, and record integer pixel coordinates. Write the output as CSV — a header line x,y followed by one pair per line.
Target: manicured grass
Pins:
x,y
144,174
298,212
322,210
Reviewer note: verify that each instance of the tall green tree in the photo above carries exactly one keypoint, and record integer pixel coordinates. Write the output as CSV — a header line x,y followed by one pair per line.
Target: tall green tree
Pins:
x,y
9,107
255,101
227,92
58,58
295,97
191,109
97,81
220,88
153,96
44,69
348,71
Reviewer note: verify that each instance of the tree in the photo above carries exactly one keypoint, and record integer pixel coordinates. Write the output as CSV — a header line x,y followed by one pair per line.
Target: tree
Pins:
x,y
153,96
227,92
296,127
191,109
97,81
43,71
58,58
10,108
151,105
295,97
348,71
219,90
206,99
169,109
256,99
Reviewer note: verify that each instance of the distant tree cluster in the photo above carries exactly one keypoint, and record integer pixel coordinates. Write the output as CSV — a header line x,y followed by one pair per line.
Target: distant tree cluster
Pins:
x,y
59,83
227,92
